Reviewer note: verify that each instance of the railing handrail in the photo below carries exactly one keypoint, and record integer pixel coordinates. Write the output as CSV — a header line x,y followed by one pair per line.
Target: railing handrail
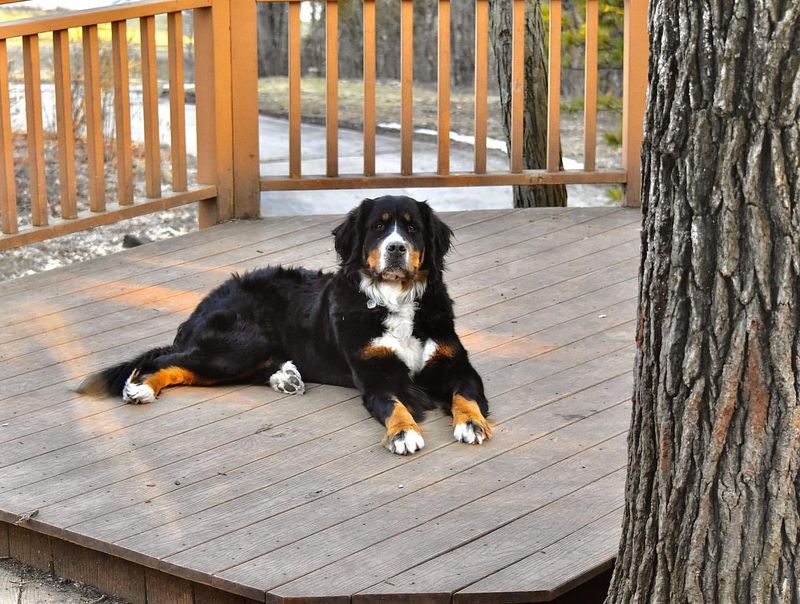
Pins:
x,y
94,16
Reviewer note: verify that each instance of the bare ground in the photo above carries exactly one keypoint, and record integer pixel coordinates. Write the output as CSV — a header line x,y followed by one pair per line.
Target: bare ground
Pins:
x,y
22,584
91,243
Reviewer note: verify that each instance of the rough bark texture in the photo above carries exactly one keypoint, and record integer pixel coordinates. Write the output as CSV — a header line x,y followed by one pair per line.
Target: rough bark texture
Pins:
x,y
535,122
712,494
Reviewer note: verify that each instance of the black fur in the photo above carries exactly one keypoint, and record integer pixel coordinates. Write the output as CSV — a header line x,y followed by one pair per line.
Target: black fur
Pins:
x,y
248,326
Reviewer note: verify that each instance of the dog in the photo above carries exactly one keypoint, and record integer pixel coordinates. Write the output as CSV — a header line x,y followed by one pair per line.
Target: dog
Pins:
x,y
382,323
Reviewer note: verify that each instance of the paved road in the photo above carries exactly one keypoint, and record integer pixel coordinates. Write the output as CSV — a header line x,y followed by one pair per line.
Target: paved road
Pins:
x,y
274,145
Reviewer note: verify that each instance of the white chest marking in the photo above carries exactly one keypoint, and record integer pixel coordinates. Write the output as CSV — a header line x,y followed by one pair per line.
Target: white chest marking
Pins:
x,y
399,323
398,337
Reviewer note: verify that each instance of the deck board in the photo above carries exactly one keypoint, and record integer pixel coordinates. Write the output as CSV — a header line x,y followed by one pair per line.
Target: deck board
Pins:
x,y
552,569
425,510
273,497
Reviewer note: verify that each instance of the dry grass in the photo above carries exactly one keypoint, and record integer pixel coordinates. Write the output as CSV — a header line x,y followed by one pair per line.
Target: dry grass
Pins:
x,y
274,100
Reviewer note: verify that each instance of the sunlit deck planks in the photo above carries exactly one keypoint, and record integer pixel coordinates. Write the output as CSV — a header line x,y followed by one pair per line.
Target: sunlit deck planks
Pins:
x,y
275,498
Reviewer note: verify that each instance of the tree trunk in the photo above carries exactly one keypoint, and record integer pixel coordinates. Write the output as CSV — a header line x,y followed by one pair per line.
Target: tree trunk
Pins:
x,y
711,510
462,36
535,122
273,27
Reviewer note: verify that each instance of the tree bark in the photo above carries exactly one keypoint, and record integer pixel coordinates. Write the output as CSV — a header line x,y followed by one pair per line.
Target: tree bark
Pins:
x,y
535,94
711,511
273,47
462,36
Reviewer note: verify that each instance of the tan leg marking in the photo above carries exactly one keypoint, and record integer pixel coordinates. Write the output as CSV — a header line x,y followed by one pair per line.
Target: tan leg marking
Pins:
x,y
370,352
443,351
468,421
173,376
403,435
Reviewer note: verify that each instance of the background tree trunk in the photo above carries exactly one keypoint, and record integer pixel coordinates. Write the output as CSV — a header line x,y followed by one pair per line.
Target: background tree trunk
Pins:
x,y
535,143
711,509
273,28
462,39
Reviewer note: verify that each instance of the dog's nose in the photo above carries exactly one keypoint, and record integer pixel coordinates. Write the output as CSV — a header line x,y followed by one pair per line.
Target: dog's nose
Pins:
x,y
393,248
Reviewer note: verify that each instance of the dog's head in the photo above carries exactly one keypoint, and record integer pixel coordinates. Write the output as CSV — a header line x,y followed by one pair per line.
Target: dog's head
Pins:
x,y
393,238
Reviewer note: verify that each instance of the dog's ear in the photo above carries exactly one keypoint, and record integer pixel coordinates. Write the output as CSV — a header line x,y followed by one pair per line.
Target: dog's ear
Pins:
x,y
439,237
348,237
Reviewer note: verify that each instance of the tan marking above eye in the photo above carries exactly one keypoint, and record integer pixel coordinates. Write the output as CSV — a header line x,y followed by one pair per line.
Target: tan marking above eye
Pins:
x,y
407,216
385,216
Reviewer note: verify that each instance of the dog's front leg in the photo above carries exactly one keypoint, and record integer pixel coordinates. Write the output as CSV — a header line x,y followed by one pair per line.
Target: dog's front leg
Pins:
x,y
392,398
403,434
450,376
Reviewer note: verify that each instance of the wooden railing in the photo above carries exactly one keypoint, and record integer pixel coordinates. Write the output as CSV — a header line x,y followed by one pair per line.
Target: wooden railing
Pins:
x,y
100,209
635,71
226,98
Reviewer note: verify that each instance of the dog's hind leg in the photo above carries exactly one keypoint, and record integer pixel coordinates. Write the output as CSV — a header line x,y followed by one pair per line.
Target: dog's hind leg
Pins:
x,y
282,376
287,379
145,388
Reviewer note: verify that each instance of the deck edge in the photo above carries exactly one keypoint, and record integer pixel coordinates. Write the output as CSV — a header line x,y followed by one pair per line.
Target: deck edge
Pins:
x,y
4,551
555,594
108,568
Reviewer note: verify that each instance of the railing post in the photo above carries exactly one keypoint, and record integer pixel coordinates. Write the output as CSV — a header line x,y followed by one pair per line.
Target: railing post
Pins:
x,y
244,97
634,93
213,109
226,80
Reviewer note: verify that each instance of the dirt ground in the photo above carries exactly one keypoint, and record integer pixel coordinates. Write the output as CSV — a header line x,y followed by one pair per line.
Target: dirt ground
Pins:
x,y
21,584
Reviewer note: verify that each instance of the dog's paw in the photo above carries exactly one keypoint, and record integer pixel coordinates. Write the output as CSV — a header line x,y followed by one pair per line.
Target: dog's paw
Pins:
x,y
472,433
135,393
469,424
404,442
287,380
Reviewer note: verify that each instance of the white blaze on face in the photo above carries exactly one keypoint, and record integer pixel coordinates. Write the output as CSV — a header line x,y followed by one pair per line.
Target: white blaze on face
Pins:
x,y
397,239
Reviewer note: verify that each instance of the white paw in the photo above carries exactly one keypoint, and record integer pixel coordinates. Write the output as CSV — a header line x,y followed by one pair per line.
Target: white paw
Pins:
x,y
287,380
405,442
137,394
469,433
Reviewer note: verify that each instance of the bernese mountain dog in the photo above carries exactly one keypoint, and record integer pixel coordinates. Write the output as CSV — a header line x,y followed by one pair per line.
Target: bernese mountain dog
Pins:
x,y
382,323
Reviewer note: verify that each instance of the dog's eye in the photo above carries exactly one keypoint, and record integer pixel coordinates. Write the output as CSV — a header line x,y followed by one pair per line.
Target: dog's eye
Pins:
x,y
379,226
411,227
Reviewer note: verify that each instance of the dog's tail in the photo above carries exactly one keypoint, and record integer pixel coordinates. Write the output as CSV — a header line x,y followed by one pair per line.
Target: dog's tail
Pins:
x,y
112,380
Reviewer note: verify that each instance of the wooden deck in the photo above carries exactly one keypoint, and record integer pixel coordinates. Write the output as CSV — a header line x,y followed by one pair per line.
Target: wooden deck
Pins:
x,y
276,498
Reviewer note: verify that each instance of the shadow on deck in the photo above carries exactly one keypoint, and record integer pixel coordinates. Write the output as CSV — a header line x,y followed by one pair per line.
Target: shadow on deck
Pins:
x,y
223,494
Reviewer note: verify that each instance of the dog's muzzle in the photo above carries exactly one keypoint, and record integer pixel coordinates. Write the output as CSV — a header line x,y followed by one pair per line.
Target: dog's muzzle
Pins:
x,y
395,262
396,256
